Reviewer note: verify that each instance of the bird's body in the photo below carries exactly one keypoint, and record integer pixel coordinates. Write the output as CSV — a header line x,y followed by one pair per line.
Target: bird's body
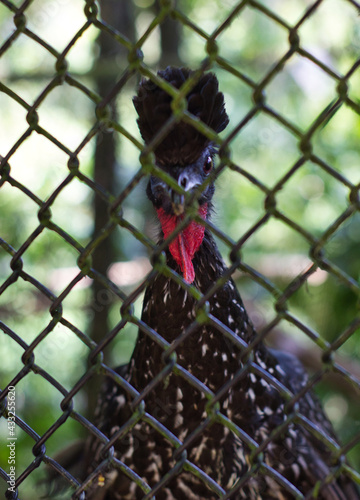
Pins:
x,y
220,437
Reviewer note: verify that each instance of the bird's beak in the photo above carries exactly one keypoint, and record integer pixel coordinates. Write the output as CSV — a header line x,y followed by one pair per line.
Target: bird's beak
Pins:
x,y
170,199
177,203
188,180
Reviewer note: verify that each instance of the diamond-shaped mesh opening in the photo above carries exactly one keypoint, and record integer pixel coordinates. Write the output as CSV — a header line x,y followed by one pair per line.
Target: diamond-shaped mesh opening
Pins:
x,y
311,187
271,35
27,172
195,402
326,142
70,209
62,112
59,34
327,48
308,83
252,153
32,305
24,53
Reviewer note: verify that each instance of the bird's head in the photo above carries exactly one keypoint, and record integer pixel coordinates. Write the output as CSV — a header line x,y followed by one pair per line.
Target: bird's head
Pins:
x,y
183,153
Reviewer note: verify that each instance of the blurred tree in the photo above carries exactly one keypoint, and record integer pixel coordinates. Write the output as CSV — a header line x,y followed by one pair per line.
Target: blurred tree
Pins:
x,y
111,54
171,35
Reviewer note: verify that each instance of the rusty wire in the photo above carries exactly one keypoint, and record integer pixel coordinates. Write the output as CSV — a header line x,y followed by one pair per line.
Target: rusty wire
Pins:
x,y
104,120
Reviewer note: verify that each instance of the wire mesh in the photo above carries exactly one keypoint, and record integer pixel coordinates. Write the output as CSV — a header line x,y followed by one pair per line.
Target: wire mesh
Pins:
x,y
317,245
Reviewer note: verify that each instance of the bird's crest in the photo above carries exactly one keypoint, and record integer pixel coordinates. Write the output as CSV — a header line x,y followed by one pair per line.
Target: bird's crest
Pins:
x,y
183,144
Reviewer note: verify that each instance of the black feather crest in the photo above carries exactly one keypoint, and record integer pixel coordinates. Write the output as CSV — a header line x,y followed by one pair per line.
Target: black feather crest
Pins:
x,y
183,144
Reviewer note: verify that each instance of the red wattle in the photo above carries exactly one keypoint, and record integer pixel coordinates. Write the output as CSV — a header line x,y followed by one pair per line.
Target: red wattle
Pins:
x,y
184,246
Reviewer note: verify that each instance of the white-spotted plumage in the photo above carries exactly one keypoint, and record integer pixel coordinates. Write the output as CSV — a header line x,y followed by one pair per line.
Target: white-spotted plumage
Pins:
x,y
234,422
252,404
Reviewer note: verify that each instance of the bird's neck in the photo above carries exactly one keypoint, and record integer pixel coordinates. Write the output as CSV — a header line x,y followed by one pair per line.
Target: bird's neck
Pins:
x,y
171,311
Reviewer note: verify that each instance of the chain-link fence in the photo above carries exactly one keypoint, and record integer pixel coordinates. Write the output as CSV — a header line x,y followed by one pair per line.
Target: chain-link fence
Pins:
x,y
291,153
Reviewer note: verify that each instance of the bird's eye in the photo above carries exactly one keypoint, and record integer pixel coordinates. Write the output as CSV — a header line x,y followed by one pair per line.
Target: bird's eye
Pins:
x,y
208,165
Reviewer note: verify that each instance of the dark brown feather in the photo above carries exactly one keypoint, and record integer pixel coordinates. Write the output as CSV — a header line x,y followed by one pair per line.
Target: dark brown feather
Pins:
x,y
253,403
183,144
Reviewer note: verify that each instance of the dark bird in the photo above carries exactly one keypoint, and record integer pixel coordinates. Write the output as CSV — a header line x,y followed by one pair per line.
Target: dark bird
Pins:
x,y
214,421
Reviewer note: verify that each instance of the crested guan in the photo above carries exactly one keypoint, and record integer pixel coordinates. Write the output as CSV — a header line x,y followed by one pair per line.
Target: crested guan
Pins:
x,y
217,440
